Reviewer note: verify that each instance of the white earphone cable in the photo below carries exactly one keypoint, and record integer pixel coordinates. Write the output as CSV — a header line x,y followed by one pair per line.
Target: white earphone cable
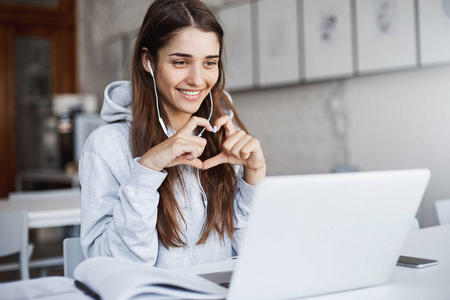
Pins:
x,y
205,202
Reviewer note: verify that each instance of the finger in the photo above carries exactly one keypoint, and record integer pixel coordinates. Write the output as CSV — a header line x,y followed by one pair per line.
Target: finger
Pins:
x,y
163,154
196,163
220,158
252,147
240,150
188,156
183,139
255,159
231,141
183,148
189,138
193,123
226,122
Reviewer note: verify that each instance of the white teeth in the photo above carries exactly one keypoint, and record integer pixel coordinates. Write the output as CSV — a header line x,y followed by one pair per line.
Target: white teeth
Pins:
x,y
190,93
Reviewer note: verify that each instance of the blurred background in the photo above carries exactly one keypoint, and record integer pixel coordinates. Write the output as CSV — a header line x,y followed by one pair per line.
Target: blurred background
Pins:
x,y
325,85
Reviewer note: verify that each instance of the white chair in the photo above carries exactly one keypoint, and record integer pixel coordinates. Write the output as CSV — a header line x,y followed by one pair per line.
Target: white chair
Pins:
x,y
57,194
443,211
14,239
73,255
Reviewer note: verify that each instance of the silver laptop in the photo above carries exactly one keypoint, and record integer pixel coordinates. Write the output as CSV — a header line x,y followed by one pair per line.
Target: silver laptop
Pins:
x,y
318,234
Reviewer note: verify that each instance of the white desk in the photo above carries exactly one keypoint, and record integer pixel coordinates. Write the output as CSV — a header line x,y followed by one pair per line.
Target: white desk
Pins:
x,y
431,283
47,212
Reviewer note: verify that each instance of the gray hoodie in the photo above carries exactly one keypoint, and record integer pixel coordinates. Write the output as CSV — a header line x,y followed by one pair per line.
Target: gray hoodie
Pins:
x,y
120,198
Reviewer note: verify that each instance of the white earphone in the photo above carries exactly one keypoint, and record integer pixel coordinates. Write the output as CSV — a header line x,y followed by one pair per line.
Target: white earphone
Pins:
x,y
163,126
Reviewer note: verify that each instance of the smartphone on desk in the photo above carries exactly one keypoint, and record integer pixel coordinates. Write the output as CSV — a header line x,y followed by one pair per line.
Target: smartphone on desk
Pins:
x,y
415,262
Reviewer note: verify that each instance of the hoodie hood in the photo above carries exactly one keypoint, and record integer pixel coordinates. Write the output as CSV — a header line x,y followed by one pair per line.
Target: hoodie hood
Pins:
x,y
117,102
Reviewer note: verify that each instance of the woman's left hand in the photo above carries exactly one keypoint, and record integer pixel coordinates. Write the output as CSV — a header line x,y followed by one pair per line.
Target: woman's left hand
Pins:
x,y
239,148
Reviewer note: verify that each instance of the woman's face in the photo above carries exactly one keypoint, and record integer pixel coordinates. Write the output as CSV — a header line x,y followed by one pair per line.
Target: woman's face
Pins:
x,y
186,71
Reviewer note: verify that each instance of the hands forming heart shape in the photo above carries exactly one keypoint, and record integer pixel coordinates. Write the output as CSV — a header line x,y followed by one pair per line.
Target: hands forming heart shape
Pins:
x,y
183,148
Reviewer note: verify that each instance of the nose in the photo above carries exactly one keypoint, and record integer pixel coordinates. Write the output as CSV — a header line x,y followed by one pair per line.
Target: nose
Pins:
x,y
195,76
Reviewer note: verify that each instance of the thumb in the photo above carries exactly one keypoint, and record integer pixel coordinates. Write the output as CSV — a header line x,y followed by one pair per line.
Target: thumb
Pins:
x,y
196,163
216,160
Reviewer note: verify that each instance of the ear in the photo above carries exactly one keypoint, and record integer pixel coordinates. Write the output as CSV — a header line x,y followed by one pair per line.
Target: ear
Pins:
x,y
145,57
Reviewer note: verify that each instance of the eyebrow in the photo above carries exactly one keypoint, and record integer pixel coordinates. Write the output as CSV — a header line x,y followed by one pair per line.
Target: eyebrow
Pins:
x,y
190,56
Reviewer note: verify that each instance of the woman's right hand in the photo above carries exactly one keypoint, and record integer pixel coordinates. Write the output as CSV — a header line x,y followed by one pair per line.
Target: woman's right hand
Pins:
x,y
182,148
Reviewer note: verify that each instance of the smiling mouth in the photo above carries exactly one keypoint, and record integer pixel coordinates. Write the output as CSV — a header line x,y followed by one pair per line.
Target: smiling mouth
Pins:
x,y
189,93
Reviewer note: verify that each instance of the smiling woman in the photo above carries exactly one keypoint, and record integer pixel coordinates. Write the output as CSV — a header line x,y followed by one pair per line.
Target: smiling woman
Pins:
x,y
169,180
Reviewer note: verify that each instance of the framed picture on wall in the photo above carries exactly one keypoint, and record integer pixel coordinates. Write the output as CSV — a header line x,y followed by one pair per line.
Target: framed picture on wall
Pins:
x,y
278,43
386,35
237,23
434,31
328,45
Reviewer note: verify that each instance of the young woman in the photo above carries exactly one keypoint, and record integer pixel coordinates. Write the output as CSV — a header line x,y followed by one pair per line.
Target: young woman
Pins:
x,y
169,180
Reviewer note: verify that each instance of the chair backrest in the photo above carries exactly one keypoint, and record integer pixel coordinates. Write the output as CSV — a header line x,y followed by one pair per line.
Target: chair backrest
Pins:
x,y
14,238
443,211
73,255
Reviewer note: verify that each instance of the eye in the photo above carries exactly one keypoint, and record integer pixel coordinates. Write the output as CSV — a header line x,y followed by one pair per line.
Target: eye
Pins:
x,y
180,63
211,64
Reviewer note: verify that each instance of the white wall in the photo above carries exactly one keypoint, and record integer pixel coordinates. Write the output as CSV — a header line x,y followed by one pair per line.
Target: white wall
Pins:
x,y
402,120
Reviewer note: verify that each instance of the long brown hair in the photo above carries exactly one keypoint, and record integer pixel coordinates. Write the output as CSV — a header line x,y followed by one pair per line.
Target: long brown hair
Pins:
x,y
163,20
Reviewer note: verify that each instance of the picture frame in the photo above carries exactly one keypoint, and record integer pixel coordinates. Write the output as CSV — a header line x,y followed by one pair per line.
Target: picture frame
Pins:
x,y
434,31
327,27
278,42
239,55
386,35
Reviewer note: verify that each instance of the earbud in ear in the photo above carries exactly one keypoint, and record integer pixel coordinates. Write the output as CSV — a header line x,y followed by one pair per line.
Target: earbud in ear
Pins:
x,y
150,67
